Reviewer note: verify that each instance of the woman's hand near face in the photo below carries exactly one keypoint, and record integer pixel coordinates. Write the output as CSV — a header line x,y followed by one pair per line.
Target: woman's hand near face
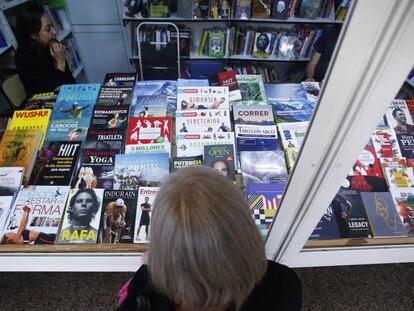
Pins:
x,y
57,50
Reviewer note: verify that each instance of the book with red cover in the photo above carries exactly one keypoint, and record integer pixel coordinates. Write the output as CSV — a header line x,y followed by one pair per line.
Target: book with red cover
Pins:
x,y
228,78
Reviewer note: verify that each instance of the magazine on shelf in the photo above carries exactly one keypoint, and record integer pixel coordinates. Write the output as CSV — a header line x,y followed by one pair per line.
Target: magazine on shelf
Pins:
x,y
203,97
182,162
210,120
146,197
6,201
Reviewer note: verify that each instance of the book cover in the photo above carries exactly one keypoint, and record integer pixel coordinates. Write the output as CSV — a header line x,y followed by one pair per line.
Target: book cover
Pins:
x,y
385,143
110,117
256,144
75,101
34,120
135,170
5,205
115,95
253,114
146,197
404,202
220,9
309,9
262,46
55,163
11,178
263,166
157,87
182,162
252,89
399,117
120,79
99,139
280,9
221,158
263,200
211,120
184,41
312,90
158,8
200,9
81,219
285,92
350,214
397,173
193,98
145,106
292,135
261,8
203,69
327,228
95,169
41,101
118,216
383,215
216,44
192,144
67,129
406,144
243,9
46,204
183,83
256,131
228,78
19,148
293,111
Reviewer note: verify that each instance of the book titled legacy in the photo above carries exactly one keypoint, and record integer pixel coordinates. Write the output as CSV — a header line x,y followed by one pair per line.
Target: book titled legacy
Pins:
x,y
55,163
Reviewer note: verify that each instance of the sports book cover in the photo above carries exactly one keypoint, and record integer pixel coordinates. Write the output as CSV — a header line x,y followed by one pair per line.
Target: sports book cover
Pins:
x,y
95,169
404,202
399,117
136,170
114,96
41,101
110,117
121,79
203,97
145,106
221,158
55,163
252,89
263,200
327,228
81,219
11,178
146,197
192,144
118,216
67,129
158,87
383,215
46,204
285,92
293,111
98,139
76,101
253,114
397,173
182,162
228,78
211,120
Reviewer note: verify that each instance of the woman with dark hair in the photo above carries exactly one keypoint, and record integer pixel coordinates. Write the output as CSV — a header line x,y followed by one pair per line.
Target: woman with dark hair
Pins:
x,y
40,59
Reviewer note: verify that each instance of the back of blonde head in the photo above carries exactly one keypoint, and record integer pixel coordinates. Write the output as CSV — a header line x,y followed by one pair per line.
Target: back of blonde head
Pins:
x,y
205,249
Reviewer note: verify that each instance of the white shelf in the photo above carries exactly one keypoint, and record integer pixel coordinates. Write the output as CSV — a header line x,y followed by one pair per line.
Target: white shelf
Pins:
x,y
4,49
10,4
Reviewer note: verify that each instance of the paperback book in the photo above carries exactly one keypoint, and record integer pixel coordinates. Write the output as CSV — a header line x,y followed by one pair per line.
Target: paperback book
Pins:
x,y
182,162
98,139
183,83
115,95
253,114
145,106
146,197
202,97
312,90
399,117
397,173
158,87
256,131
221,158
327,228
81,219
243,9
252,89
385,144
41,101
120,79
11,178
404,202
6,201
192,144
67,129
293,111
110,117
118,216
211,120
285,92
228,78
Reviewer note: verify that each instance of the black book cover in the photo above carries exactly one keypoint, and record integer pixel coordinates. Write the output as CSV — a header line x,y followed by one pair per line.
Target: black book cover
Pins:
x,y
124,79
99,139
280,9
110,117
110,95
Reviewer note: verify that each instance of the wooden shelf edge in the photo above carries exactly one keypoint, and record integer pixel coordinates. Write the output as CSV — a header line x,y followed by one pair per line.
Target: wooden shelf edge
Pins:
x,y
358,242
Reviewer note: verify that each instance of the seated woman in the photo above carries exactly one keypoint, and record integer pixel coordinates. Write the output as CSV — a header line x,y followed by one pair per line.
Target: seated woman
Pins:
x,y
206,253
40,59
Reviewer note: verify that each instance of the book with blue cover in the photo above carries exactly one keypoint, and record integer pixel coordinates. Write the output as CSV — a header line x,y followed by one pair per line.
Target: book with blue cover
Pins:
x,y
192,82
75,101
382,214
285,92
157,87
327,227
293,111
145,106
67,129
144,169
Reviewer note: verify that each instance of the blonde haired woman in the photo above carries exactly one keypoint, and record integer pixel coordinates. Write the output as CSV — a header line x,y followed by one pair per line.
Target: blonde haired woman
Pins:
x,y
206,253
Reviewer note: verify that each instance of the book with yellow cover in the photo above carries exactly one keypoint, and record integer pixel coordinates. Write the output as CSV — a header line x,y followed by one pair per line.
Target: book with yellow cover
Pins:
x,y
36,120
19,148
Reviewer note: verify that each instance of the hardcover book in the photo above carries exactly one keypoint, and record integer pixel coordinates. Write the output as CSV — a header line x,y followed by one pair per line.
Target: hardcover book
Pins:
x,y
34,120
383,215
81,219
118,216
11,178
228,78
98,139
75,101
404,202
125,79
55,163
193,98
253,114
182,162
221,158
135,170
146,197
115,95
95,169
41,101
110,117
46,204
145,106
158,87
19,148
211,120
252,89
192,144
